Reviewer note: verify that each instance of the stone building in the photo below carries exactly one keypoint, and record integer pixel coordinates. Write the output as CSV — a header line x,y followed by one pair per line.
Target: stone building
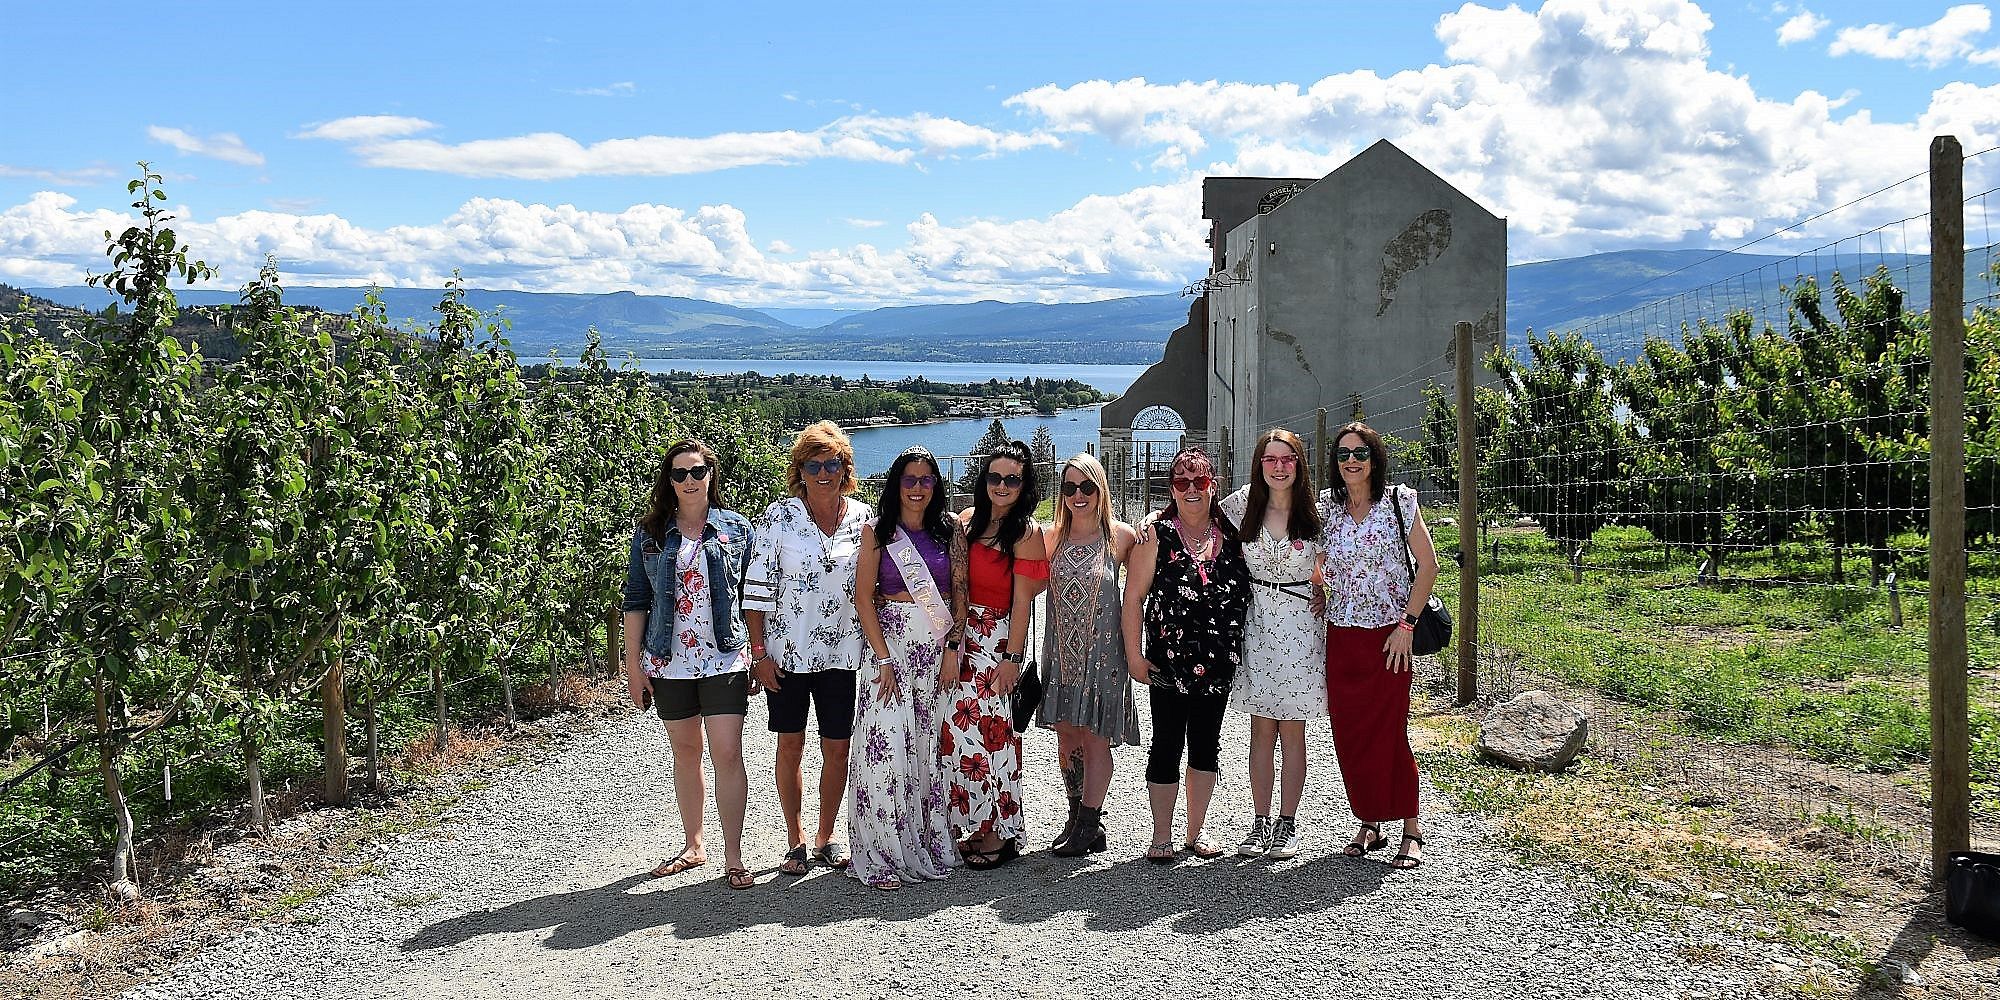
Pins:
x,y
1341,292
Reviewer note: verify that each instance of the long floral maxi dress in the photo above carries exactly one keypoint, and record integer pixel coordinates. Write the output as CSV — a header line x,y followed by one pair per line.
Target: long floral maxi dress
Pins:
x,y
1083,646
982,753
896,822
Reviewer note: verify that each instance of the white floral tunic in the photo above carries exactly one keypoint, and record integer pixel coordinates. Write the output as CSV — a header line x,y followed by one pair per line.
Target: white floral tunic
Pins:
x,y
1367,575
694,655
802,579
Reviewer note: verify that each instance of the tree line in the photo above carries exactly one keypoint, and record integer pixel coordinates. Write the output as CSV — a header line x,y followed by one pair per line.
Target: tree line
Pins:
x,y
1732,435
230,568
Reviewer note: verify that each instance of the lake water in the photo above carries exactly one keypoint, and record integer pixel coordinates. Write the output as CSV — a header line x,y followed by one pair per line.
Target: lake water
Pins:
x,y
1105,378
876,447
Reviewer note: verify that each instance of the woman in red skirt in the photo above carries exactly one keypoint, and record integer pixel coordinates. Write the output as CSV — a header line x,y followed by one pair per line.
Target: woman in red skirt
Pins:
x,y
1371,611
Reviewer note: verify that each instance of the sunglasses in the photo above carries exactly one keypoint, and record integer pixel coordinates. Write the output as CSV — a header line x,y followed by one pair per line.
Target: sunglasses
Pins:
x,y
818,466
1280,461
1184,484
695,472
1361,453
1011,482
1087,488
925,481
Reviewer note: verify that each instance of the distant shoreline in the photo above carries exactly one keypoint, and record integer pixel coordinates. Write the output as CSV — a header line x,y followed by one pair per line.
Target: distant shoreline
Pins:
x,y
892,422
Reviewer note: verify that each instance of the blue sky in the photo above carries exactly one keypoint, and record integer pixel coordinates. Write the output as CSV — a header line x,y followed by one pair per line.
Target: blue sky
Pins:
x,y
809,154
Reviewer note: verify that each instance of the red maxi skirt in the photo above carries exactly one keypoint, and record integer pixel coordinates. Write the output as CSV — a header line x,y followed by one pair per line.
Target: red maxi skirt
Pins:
x,y
1370,709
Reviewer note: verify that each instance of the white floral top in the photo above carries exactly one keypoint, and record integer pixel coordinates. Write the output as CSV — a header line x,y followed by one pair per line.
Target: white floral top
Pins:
x,y
694,656
1367,576
802,579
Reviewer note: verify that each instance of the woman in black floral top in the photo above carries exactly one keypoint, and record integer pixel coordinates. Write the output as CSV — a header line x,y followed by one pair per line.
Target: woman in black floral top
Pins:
x,y
1188,580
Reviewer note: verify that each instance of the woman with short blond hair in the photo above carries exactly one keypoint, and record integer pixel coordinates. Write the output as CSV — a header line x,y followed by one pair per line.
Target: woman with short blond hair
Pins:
x,y
805,635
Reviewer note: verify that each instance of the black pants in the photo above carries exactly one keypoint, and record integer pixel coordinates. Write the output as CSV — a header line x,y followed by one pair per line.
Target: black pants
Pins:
x,y
1190,720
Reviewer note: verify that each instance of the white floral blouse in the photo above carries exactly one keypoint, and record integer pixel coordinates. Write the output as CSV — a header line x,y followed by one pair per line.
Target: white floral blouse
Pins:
x,y
695,655
802,579
1367,575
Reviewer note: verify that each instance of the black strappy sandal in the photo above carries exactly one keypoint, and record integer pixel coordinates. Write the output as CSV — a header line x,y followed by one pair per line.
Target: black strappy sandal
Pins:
x,y
1353,850
1414,861
987,860
795,862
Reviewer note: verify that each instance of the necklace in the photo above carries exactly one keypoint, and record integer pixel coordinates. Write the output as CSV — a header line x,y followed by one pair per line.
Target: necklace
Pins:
x,y
1207,545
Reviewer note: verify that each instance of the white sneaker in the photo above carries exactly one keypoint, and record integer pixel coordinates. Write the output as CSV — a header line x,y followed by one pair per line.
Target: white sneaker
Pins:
x,y
1284,841
1259,839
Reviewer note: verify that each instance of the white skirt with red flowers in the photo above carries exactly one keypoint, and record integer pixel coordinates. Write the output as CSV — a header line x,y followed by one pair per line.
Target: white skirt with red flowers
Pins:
x,y
982,754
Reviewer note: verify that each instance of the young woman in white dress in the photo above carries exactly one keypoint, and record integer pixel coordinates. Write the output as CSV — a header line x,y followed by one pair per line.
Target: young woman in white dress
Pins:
x,y
1283,681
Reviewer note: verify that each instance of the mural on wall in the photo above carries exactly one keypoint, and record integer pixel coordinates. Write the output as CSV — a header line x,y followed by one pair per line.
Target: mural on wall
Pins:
x,y
1422,241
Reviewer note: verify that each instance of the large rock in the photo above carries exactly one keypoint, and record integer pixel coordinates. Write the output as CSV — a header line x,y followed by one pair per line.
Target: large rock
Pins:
x,y
1533,731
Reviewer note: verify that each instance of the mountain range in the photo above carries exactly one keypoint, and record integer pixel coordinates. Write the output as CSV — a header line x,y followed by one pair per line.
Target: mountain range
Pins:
x,y
1545,295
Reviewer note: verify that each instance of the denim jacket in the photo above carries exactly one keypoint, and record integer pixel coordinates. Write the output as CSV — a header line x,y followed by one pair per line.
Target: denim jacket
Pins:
x,y
650,586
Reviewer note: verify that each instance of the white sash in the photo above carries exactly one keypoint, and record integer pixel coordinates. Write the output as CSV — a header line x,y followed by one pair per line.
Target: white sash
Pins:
x,y
923,590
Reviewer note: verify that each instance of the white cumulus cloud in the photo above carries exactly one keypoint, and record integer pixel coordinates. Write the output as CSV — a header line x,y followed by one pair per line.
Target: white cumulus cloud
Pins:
x,y
365,128
1947,39
381,141
224,146
1591,124
1801,27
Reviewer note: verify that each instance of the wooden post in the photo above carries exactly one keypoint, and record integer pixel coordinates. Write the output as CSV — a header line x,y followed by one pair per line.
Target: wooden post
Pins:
x,y
1324,448
333,728
1951,798
1468,521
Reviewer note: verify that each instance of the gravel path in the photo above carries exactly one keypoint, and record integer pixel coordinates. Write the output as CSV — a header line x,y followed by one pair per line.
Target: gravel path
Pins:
x,y
530,889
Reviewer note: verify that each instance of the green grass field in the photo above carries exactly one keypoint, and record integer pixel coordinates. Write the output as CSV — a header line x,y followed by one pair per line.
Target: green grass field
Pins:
x,y
1776,652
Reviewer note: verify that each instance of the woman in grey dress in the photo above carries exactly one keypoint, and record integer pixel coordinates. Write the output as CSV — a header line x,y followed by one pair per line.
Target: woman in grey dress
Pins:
x,y
1088,696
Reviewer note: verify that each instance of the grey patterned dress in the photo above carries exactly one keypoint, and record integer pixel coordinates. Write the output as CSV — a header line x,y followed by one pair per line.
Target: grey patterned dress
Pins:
x,y
1083,645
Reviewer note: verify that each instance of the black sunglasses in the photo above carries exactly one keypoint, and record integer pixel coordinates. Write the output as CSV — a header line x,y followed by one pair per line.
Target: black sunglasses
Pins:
x,y
1087,488
926,481
1360,453
817,466
1011,482
696,472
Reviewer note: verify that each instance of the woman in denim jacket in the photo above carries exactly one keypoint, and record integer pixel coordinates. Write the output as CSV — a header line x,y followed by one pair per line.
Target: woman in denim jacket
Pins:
x,y
684,596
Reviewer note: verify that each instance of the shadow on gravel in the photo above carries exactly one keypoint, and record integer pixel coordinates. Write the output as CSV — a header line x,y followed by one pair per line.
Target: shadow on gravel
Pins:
x,y
1925,930
1197,897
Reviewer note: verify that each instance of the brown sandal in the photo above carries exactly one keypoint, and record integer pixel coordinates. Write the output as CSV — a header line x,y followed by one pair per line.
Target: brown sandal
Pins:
x,y
676,865
739,878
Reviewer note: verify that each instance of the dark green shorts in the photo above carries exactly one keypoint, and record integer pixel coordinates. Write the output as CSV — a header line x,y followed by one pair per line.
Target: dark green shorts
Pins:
x,y
723,694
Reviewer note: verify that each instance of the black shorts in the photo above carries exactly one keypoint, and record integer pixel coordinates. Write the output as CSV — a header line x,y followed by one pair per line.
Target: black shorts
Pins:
x,y
723,694
831,693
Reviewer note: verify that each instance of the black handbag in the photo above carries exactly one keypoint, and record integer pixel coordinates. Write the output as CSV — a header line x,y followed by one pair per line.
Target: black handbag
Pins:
x,y
1027,696
1433,631
1972,893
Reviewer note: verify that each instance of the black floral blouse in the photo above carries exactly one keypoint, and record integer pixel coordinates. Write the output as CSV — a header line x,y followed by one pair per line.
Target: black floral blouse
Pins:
x,y
1194,629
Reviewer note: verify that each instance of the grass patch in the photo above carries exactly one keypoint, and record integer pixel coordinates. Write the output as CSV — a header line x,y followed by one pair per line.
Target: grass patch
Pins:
x,y
292,900
1777,652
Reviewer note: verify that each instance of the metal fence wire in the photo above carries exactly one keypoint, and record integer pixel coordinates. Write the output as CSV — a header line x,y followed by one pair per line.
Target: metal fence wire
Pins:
x,y
1706,518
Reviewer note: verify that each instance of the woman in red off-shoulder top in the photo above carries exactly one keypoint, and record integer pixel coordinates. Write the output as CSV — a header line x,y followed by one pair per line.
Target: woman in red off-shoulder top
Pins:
x,y
982,753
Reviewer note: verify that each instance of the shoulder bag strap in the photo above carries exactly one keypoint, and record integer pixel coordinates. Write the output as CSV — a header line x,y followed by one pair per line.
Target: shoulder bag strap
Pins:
x,y
1403,530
